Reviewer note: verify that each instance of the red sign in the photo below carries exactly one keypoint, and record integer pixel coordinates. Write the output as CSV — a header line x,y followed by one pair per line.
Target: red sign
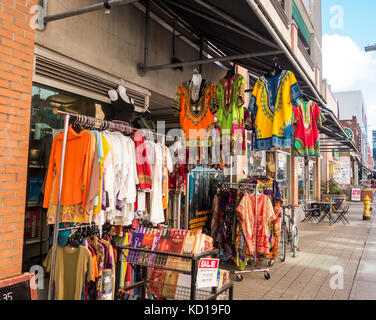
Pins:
x,y
209,263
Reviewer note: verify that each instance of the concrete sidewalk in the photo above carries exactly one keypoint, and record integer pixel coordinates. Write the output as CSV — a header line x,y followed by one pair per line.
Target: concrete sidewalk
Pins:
x,y
326,253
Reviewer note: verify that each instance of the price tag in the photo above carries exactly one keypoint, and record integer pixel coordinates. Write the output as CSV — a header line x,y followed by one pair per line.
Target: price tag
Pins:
x,y
207,275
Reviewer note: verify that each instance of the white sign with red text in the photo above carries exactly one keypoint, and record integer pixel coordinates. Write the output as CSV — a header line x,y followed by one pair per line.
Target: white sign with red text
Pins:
x,y
207,275
356,194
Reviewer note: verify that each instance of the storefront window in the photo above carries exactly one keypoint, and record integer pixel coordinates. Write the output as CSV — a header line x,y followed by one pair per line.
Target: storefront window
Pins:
x,y
300,179
283,175
311,182
256,163
44,126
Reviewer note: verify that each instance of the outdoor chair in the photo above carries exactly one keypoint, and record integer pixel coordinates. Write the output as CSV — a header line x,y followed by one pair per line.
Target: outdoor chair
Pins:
x,y
310,213
341,214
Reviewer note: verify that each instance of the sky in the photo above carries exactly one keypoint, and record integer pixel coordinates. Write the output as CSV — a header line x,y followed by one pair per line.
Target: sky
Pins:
x,y
348,27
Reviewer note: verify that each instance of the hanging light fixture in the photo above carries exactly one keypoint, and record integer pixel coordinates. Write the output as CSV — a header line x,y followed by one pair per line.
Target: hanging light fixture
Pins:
x,y
107,7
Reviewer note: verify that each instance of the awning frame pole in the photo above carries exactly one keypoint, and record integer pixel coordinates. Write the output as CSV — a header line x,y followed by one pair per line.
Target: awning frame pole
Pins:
x,y
142,70
91,8
147,32
56,229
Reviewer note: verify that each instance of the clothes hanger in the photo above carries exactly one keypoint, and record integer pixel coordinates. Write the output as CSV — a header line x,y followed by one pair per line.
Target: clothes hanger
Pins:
x,y
276,69
231,71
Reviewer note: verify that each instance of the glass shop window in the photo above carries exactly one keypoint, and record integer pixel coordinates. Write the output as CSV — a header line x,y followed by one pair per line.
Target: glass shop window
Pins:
x,y
44,126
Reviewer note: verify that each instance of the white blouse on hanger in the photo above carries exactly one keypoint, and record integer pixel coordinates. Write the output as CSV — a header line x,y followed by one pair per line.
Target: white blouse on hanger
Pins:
x,y
155,150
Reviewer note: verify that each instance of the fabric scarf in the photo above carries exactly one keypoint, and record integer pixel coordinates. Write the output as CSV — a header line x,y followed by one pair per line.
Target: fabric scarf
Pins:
x,y
143,164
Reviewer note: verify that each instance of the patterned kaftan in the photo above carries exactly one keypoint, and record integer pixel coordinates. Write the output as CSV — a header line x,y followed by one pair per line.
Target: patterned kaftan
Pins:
x,y
265,215
308,119
230,115
271,108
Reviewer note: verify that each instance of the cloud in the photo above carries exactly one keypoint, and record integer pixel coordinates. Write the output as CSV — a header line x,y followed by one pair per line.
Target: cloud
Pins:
x,y
345,64
348,67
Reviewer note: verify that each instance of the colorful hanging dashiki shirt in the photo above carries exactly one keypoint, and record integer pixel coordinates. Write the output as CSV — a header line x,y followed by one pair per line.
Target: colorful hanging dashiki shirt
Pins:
x,y
230,116
196,115
308,119
271,108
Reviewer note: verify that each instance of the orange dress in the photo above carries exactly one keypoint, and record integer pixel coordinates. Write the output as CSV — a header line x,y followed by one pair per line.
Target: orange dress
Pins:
x,y
79,156
196,115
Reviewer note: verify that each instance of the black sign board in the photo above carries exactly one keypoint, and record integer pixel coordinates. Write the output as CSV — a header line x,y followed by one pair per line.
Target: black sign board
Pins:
x,y
21,287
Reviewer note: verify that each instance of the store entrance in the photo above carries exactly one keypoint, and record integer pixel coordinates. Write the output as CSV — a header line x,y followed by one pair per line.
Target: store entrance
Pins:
x,y
310,173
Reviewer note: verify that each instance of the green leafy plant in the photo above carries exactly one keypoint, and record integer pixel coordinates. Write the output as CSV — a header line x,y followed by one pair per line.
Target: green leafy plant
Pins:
x,y
331,187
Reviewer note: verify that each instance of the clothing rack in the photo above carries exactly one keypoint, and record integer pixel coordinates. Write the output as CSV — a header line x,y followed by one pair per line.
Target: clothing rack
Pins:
x,y
250,187
92,123
186,217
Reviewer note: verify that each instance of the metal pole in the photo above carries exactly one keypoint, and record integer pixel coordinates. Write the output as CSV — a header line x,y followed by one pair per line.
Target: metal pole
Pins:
x,y
94,7
56,229
178,210
201,47
142,69
147,33
186,218
255,257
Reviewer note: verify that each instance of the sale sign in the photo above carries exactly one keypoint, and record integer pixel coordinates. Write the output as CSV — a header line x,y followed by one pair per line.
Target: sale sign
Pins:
x,y
356,194
207,275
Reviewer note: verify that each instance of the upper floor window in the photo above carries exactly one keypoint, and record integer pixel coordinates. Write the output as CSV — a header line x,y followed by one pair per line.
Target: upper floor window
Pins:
x,y
281,3
303,32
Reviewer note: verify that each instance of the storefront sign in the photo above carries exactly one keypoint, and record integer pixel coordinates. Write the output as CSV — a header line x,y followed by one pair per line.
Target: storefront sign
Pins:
x,y
207,275
342,172
356,194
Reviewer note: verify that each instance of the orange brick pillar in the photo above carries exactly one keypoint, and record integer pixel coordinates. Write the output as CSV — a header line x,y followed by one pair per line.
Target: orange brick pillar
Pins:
x,y
294,182
318,179
16,71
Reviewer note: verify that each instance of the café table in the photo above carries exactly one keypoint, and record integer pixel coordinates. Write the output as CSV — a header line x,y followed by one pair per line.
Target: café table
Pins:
x,y
326,208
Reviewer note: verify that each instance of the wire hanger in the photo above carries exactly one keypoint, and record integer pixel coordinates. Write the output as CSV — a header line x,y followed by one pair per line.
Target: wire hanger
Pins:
x,y
276,69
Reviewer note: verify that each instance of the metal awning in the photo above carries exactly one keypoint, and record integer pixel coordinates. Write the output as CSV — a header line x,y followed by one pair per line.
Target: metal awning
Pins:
x,y
337,138
223,30
228,31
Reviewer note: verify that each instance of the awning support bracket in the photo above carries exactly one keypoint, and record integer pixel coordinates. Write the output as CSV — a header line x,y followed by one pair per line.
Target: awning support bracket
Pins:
x,y
142,69
72,13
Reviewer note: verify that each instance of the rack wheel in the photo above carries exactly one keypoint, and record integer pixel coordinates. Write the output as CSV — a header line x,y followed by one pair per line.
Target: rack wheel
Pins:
x,y
267,275
239,277
271,263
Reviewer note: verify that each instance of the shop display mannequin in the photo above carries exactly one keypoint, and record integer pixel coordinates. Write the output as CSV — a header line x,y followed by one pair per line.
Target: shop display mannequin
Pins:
x,y
121,104
143,120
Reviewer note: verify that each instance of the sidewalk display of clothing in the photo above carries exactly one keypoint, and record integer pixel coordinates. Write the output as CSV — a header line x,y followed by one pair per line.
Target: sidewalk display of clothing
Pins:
x,y
230,115
271,107
233,221
308,119
85,268
116,174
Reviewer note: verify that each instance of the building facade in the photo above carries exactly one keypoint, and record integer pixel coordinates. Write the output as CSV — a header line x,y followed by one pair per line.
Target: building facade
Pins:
x,y
351,103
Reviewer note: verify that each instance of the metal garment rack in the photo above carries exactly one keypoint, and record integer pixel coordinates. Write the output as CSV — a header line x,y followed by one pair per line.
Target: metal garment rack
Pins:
x,y
94,122
252,187
187,201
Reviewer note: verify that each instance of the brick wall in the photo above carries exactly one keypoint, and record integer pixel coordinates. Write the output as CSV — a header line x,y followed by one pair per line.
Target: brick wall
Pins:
x,y
16,70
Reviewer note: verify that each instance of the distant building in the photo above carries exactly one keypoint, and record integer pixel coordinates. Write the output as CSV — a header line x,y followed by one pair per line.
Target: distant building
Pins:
x,y
351,105
374,146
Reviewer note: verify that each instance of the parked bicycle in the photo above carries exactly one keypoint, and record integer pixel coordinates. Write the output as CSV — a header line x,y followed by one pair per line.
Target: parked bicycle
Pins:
x,y
289,232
